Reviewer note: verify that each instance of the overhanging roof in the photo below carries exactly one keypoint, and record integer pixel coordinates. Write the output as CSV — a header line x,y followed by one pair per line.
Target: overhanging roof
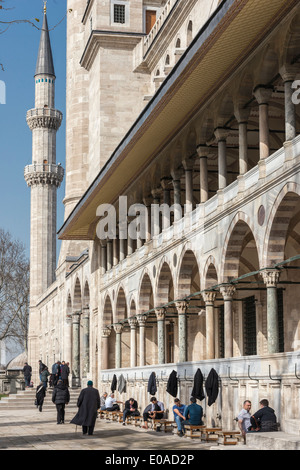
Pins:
x,y
235,29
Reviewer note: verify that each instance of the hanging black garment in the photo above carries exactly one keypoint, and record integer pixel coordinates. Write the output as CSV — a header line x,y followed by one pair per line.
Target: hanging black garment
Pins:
x,y
197,391
212,386
172,385
152,389
114,383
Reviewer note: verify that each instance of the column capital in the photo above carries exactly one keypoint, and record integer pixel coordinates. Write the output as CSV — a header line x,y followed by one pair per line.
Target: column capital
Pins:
x,y
227,290
221,133
160,313
118,328
106,332
156,193
181,306
165,183
176,175
132,322
141,318
209,296
202,151
241,114
270,276
288,72
188,164
262,94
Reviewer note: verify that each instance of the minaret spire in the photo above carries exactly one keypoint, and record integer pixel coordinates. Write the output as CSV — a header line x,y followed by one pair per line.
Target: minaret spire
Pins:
x,y
44,64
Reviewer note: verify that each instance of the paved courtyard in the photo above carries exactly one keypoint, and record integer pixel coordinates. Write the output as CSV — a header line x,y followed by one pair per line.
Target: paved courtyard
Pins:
x,y
31,430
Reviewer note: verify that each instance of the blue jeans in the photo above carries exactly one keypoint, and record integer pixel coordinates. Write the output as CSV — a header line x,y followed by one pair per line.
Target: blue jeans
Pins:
x,y
178,421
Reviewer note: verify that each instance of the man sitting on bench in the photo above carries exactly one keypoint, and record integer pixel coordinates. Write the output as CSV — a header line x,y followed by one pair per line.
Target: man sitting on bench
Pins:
x,y
131,409
153,411
193,414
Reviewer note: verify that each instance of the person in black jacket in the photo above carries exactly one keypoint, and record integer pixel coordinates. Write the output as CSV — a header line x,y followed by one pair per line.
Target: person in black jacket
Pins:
x,y
88,403
130,409
64,372
27,371
60,397
264,420
39,396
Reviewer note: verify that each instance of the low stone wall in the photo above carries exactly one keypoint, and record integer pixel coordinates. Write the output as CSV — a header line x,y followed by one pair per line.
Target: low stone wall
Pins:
x,y
254,378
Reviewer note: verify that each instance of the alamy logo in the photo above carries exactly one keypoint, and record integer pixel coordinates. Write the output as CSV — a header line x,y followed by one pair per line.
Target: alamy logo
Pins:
x,y
2,92
296,94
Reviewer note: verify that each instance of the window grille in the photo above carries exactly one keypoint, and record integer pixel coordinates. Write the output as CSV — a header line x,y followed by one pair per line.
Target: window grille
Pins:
x,y
119,14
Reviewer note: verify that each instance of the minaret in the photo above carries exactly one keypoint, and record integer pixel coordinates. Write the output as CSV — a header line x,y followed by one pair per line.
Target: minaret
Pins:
x,y
43,176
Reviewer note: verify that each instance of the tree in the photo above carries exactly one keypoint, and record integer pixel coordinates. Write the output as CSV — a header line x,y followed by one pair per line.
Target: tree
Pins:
x,y
14,290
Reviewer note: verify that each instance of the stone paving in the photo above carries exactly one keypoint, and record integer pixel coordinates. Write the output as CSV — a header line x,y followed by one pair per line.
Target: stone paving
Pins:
x,y
33,430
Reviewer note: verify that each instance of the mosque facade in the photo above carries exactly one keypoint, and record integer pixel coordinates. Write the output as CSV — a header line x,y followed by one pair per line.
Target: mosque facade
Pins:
x,y
181,239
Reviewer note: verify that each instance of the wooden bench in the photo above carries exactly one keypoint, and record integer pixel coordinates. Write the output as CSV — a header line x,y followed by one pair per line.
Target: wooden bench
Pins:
x,y
210,434
193,430
165,424
229,437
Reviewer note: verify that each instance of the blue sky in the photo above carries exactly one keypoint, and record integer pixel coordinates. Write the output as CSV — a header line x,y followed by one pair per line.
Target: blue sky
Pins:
x,y
18,54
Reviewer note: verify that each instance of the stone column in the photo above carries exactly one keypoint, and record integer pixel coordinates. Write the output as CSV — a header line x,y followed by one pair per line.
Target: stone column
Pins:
x,y
182,330
115,251
271,278
209,299
160,315
142,325
109,255
202,154
118,329
76,349
177,195
242,115
103,257
221,136
155,212
122,249
104,344
86,340
288,74
188,165
165,184
147,203
227,291
132,323
263,96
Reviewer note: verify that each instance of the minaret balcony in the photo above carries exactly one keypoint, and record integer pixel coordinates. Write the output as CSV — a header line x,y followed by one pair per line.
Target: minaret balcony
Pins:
x,y
44,117
44,173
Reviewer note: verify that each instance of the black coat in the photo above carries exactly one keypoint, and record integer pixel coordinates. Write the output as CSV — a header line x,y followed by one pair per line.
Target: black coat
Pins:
x,y
88,403
152,389
64,371
114,383
172,385
60,394
27,370
197,391
40,394
212,386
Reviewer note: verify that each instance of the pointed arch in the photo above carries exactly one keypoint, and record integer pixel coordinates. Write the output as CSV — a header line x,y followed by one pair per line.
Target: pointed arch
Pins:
x,y
284,216
165,285
188,274
145,301
121,307
77,297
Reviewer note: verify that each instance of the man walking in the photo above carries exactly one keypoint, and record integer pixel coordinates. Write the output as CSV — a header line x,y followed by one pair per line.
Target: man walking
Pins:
x,y
88,403
61,398
27,370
